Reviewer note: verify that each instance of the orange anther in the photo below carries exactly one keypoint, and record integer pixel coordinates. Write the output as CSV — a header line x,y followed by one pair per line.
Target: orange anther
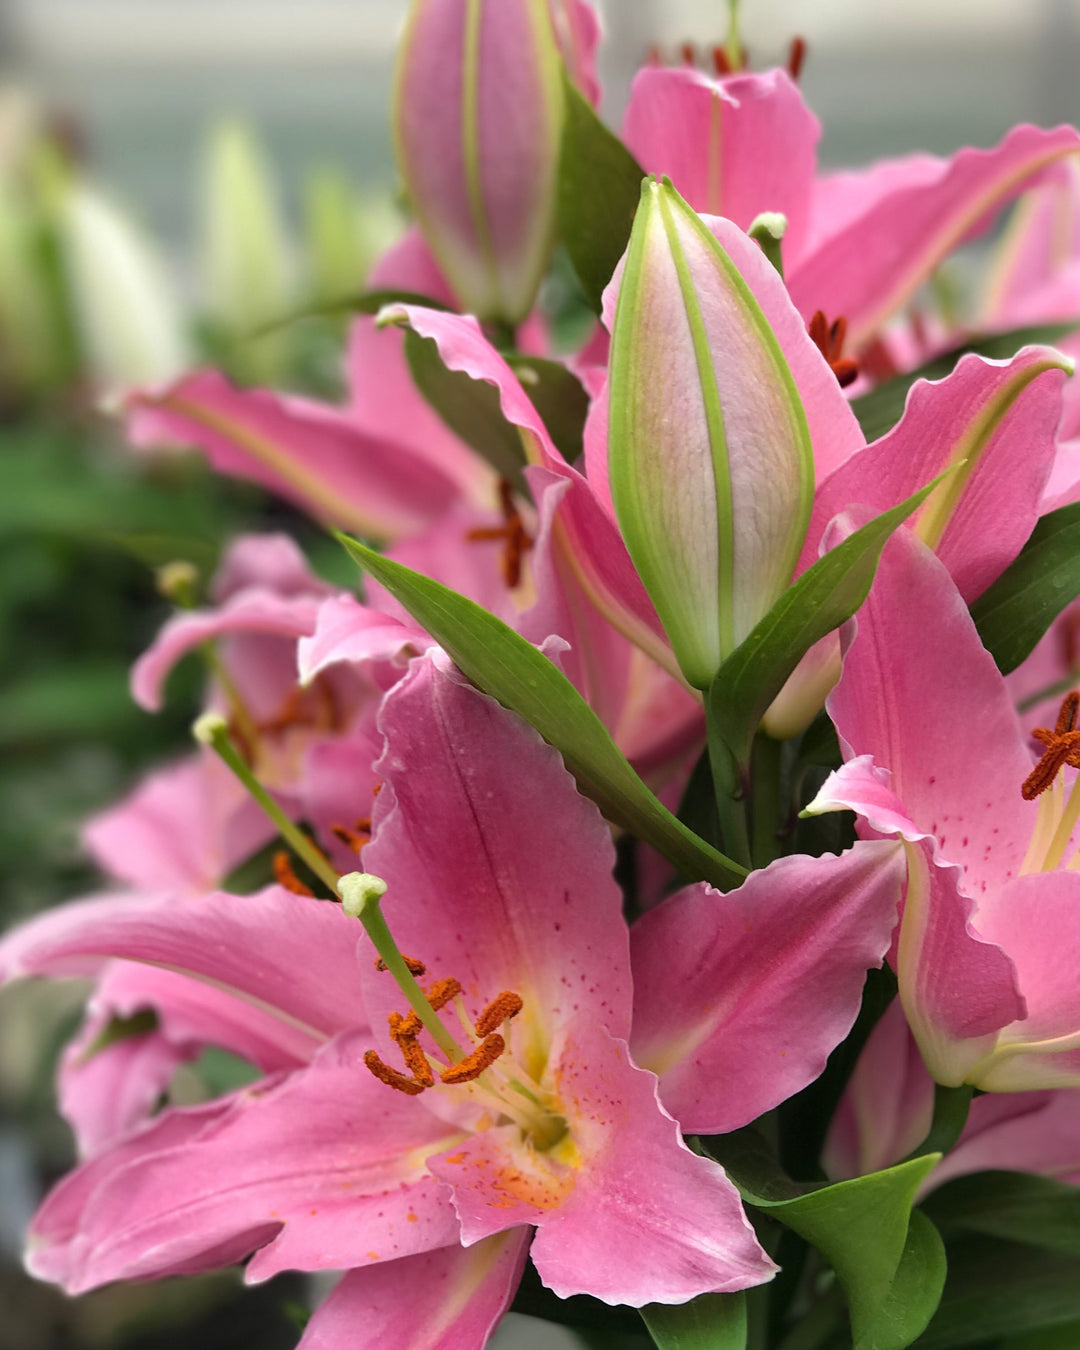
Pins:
x,y
416,1061
796,57
829,340
405,1028
413,966
442,991
285,876
385,1074
688,54
1062,747
499,1010
472,1066
515,538
721,61
354,839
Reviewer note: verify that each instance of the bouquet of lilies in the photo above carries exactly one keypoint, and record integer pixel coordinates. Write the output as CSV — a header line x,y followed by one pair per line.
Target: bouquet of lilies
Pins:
x,y
664,866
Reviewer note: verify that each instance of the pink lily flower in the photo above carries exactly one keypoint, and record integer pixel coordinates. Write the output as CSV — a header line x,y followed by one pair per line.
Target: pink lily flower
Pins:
x,y
544,1120
888,1104
860,243
934,755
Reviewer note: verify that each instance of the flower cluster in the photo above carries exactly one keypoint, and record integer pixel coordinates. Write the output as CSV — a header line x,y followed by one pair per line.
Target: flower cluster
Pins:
x,y
669,600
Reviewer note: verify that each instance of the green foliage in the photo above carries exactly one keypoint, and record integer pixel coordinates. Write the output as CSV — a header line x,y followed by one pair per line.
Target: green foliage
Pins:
x,y
709,1322
599,189
1033,590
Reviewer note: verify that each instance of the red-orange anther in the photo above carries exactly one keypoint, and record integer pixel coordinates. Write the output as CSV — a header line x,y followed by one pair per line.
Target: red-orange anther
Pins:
x,y
499,1010
515,538
1062,747
829,340
472,1066
285,876
413,966
796,57
441,992
385,1074
416,1061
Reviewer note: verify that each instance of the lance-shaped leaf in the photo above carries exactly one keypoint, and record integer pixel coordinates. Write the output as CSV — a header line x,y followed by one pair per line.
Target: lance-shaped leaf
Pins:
x,y
708,1322
478,113
513,671
709,454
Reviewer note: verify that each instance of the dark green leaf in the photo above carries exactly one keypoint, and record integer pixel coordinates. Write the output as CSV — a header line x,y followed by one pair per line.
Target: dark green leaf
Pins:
x,y
890,1262
598,194
709,1322
825,596
1033,590
879,410
470,408
511,670
997,1288
1065,1337
1018,1206
559,398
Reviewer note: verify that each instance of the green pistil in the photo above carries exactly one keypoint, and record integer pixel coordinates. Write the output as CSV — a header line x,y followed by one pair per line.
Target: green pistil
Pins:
x,y
360,895
212,729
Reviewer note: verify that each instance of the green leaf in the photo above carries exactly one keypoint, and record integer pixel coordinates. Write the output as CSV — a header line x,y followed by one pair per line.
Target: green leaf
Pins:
x,y
598,193
559,397
709,1322
470,408
996,1289
879,410
825,596
1033,590
1018,1206
511,670
367,302
890,1261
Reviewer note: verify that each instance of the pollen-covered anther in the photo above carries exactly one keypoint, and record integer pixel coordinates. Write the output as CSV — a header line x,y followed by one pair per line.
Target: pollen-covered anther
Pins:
x,y
415,1060
385,1074
287,878
1061,750
499,1010
356,839
472,1066
515,538
796,57
442,991
829,340
413,966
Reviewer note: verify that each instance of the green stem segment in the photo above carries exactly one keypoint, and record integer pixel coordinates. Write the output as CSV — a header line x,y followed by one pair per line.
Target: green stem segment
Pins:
x,y
360,895
730,793
765,815
951,1106
212,730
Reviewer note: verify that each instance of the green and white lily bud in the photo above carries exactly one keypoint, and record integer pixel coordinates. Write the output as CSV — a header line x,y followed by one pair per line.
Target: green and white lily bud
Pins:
x,y
710,461
126,309
478,115
247,270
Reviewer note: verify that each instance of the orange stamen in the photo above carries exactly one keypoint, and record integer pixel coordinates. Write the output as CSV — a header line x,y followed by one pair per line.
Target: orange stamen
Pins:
x,y
829,340
405,1028
515,538
416,1061
385,1074
1062,747
472,1066
721,61
354,839
499,1010
413,966
796,57
688,54
442,991
286,877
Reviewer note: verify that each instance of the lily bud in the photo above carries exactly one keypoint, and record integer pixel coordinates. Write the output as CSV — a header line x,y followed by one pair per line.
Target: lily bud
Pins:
x,y
710,460
478,112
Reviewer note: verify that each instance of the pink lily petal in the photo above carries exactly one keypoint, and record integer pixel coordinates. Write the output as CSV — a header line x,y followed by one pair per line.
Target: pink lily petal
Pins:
x,y
448,1299
313,455
106,1091
1041,241
733,147
865,267
590,540
319,1169
999,416
184,828
273,562
647,1221
252,611
478,888
887,1107
345,630
1018,1132
746,1014
338,788
229,940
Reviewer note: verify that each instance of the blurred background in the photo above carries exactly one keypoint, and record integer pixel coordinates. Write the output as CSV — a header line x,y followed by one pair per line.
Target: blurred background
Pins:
x,y
120,120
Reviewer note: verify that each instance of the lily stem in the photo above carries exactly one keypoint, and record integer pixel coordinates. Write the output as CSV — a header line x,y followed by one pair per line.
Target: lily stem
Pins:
x,y
730,786
765,811
951,1106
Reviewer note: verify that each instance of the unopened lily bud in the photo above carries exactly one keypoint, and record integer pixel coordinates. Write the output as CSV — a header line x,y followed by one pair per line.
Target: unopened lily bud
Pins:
x,y
711,466
478,113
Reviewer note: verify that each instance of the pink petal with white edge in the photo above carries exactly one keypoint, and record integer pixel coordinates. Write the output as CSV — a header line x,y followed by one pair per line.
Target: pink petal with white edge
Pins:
x,y
324,1166
499,871
183,828
866,267
1000,418
732,148
312,454
232,941
253,611
746,1014
448,1299
271,562
647,1221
